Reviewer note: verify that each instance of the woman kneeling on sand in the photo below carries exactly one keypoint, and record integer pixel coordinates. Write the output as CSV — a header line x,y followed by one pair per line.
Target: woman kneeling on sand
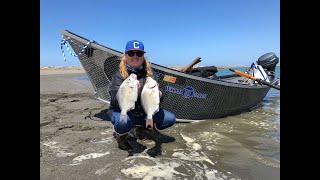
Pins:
x,y
134,62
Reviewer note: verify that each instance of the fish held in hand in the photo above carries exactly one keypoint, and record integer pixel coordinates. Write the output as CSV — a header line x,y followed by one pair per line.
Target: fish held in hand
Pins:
x,y
150,100
127,95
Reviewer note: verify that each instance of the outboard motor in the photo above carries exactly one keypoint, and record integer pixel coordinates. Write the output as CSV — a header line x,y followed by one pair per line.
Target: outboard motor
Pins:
x,y
268,61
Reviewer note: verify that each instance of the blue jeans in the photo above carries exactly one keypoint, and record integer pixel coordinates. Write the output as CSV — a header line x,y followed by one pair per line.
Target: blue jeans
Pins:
x,y
163,119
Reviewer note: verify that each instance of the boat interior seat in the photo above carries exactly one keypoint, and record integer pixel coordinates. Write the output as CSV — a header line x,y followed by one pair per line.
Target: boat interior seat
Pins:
x,y
207,72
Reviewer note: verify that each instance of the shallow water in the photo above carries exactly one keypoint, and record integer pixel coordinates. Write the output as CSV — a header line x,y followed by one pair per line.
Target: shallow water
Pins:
x,y
245,146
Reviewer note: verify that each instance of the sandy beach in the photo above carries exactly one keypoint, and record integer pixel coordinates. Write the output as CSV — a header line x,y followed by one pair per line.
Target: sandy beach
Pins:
x,y
68,125
76,140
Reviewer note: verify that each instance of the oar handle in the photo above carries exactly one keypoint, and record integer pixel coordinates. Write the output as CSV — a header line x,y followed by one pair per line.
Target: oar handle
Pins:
x,y
243,74
255,79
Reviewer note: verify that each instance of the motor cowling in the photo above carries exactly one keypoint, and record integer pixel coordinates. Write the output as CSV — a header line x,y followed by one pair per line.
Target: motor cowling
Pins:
x,y
268,61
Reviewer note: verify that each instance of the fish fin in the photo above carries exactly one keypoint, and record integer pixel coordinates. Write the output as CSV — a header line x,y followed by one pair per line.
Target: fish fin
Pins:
x,y
132,107
157,110
149,123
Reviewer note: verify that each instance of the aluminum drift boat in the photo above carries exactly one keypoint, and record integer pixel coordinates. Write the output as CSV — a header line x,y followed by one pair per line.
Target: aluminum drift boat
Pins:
x,y
197,95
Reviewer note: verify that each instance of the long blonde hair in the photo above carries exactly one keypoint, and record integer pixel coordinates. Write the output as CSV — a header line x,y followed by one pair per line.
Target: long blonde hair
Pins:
x,y
123,69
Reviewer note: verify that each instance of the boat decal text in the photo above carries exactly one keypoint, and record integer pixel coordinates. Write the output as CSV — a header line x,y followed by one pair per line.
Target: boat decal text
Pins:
x,y
186,92
159,75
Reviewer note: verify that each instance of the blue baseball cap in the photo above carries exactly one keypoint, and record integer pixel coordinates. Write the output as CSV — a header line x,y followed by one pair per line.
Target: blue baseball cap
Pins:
x,y
134,45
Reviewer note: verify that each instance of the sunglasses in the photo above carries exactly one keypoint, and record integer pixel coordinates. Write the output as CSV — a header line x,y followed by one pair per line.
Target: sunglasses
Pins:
x,y
138,53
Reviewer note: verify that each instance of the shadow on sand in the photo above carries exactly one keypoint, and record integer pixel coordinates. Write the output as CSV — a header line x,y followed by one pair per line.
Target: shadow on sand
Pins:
x,y
158,138
103,115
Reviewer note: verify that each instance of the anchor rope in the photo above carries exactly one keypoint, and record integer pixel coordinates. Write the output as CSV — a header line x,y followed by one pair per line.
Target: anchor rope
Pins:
x,y
64,42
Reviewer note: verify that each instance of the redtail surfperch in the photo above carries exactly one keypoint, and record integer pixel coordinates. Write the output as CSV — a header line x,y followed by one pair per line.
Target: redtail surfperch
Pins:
x,y
150,99
127,95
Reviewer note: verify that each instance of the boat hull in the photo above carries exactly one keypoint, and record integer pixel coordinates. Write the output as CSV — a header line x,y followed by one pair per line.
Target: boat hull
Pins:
x,y
187,96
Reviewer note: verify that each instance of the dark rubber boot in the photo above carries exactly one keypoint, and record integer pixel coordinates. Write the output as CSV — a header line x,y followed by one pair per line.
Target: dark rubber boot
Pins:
x,y
122,141
144,133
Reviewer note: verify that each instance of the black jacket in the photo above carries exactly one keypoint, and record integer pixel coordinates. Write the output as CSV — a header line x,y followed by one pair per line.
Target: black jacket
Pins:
x,y
115,84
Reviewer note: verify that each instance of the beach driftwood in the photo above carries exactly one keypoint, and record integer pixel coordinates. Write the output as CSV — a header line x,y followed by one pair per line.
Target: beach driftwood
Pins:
x,y
188,68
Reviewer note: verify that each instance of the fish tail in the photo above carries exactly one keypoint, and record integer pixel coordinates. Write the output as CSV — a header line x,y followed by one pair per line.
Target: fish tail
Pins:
x,y
149,123
123,117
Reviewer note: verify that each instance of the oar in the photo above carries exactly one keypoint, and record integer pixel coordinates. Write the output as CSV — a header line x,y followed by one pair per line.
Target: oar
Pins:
x,y
255,79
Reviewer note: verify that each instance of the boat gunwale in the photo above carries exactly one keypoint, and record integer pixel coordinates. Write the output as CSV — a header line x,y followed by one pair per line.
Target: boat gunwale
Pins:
x,y
214,81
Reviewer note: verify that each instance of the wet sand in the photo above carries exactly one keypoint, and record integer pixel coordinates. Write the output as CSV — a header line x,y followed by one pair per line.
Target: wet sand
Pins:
x,y
76,141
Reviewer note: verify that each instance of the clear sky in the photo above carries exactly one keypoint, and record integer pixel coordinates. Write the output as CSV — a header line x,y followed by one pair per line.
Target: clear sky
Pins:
x,y
174,32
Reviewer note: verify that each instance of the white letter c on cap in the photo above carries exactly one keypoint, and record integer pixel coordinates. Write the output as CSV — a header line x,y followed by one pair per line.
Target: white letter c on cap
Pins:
x,y
136,44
